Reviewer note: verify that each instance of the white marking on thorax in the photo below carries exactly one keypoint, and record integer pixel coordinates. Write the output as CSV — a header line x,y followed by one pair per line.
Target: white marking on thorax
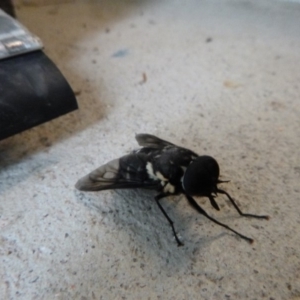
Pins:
x,y
150,172
157,175
169,188
161,176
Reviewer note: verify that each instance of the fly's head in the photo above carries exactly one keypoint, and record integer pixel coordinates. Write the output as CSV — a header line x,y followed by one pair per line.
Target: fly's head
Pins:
x,y
201,177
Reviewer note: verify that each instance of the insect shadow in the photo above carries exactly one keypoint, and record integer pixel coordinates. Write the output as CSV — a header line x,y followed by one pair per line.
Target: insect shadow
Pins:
x,y
143,232
135,213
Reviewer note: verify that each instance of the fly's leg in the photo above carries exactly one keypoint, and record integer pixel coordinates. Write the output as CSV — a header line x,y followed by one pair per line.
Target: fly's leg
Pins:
x,y
157,198
196,206
238,210
213,202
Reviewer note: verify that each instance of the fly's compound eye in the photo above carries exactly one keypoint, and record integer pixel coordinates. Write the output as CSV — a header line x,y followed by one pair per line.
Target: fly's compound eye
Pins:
x,y
201,176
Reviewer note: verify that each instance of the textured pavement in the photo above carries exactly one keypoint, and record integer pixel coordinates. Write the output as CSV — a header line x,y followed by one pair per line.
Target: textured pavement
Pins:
x,y
219,77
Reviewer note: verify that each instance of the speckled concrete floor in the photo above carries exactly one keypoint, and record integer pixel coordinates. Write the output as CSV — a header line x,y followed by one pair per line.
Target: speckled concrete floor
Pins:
x,y
220,77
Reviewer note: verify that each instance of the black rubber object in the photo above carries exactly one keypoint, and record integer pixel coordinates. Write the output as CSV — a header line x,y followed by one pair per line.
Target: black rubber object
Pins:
x,y
32,91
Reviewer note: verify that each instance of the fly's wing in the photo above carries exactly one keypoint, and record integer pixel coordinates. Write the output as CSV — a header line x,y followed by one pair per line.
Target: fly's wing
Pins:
x,y
101,178
126,172
151,141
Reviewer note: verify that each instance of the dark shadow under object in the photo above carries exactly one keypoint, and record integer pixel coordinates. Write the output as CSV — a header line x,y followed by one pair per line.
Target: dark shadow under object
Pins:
x,y
32,91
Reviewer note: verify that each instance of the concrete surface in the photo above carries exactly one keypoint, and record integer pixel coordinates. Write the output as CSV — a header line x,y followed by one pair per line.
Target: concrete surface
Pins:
x,y
219,77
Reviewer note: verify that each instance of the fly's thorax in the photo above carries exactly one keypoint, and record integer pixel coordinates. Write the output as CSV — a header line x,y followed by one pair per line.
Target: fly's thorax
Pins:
x,y
201,176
